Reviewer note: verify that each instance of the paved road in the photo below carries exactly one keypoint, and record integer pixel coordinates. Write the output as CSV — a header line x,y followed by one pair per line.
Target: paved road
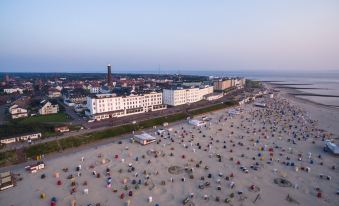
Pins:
x,y
76,119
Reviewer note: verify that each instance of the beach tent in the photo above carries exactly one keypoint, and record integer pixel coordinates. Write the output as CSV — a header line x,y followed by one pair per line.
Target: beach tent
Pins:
x,y
144,138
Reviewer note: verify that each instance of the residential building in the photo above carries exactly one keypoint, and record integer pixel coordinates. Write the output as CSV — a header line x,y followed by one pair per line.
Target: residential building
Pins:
x,y
54,93
221,85
103,106
239,82
48,108
13,90
77,99
17,112
192,84
105,90
180,95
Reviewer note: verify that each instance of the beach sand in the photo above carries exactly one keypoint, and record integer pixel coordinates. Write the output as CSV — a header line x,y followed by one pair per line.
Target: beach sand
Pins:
x,y
266,141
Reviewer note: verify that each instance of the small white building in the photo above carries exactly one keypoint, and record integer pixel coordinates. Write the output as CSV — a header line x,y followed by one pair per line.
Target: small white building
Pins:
x,y
196,122
8,140
28,137
144,138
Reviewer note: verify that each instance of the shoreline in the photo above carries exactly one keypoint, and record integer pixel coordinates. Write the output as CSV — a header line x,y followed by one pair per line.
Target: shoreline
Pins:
x,y
325,115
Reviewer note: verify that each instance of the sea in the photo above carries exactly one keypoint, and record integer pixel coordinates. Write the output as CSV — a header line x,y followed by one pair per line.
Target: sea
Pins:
x,y
312,83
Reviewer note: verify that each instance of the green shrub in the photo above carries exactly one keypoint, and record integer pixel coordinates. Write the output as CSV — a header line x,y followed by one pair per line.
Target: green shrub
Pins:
x,y
8,157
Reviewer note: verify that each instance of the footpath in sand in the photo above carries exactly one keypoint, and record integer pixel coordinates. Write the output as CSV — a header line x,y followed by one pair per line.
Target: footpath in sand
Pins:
x,y
261,156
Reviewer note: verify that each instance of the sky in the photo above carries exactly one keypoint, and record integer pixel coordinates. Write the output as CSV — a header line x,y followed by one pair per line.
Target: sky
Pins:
x,y
169,35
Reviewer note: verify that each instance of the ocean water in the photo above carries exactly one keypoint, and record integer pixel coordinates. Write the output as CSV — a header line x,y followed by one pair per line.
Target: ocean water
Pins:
x,y
320,85
325,83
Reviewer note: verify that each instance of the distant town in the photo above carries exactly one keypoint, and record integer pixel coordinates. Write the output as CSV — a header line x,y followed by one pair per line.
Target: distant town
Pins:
x,y
35,106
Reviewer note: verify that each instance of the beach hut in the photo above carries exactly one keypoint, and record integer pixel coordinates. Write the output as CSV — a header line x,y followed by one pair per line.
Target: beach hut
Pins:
x,y
144,138
6,181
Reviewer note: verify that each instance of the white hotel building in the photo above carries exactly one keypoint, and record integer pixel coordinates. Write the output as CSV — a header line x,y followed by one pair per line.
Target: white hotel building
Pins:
x,y
179,96
104,106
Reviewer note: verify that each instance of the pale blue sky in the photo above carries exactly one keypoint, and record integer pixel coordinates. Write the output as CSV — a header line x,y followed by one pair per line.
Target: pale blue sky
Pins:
x,y
69,35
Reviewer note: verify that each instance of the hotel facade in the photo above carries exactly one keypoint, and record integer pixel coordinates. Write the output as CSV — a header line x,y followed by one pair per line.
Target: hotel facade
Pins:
x,y
104,106
179,96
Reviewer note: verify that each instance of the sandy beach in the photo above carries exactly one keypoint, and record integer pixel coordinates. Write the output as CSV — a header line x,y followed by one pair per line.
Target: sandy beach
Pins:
x,y
261,156
327,116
